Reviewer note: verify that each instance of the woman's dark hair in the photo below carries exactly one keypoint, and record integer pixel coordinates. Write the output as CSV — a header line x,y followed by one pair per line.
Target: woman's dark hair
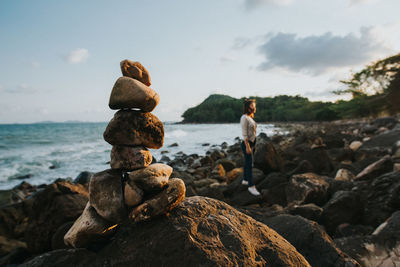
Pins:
x,y
246,107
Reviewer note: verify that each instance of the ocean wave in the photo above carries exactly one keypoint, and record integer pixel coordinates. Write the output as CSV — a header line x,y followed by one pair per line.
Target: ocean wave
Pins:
x,y
176,133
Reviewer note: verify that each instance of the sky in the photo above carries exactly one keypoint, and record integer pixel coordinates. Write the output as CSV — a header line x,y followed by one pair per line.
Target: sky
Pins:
x,y
60,59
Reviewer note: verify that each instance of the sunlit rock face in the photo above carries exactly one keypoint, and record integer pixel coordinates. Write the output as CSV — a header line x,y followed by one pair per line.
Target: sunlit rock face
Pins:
x,y
129,93
134,128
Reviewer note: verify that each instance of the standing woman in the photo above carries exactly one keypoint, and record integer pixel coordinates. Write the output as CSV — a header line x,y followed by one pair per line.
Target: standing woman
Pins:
x,y
249,127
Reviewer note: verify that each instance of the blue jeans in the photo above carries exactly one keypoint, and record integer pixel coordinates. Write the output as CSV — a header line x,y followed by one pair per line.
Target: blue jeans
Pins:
x,y
248,163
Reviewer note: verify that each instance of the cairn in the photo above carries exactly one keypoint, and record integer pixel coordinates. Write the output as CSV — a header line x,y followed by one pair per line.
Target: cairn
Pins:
x,y
133,189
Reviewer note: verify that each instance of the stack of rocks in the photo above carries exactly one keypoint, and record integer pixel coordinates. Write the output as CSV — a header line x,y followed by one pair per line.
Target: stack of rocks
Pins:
x,y
133,189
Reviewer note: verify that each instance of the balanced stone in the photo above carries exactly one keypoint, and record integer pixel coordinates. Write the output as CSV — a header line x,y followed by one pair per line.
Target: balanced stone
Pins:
x,y
131,93
133,194
133,128
135,70
105,195
89,227
154,177
161,203
130,158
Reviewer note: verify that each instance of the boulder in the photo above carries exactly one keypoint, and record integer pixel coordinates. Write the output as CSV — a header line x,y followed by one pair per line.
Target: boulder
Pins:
x,y
129,93
198,232
135,70
57,240
83,177
88,228
133,195
15,257
266,157
346,229
377,168
319,158
7,245
382,198
396,151
219,172
310,240
50,208
227,164
343,207
385,122
385,140
130,158
152,178
307,188
379,249
233,175
309,211
133,128
106,197
161,203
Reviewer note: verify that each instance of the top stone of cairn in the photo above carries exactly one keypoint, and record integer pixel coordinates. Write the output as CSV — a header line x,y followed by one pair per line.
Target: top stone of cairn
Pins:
x,y
135,70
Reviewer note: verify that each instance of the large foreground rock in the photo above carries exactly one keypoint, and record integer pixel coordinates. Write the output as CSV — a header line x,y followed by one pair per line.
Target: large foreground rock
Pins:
x,y
106,196
130,93
198,232
130,158
133,128
135,70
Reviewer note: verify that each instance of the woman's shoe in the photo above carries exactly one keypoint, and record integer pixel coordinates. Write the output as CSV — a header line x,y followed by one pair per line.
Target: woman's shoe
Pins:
x,y
253,190
245,182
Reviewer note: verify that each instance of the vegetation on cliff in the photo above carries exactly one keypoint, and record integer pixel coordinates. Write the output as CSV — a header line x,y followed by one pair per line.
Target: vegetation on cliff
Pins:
x,y
374,90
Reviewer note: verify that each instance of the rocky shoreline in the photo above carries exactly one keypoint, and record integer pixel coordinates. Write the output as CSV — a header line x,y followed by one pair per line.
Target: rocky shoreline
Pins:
x,y
330,197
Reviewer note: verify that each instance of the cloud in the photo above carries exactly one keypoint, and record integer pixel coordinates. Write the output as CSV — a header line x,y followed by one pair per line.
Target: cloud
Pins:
x,y
77,56
358,2
251,4
317,54
35,64
227,59
22,88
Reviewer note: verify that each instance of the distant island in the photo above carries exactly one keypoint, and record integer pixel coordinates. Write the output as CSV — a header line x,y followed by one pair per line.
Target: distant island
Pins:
x,y
382,78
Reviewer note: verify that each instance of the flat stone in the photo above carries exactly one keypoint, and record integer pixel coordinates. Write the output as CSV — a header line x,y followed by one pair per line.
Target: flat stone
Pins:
x,y
135,70
355,145
154,177
134,128
105,195
133,194
130,93
130,158
161,203
88,228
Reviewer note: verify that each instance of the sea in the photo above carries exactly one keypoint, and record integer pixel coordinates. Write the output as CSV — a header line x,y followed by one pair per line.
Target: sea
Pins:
x,y
40,153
